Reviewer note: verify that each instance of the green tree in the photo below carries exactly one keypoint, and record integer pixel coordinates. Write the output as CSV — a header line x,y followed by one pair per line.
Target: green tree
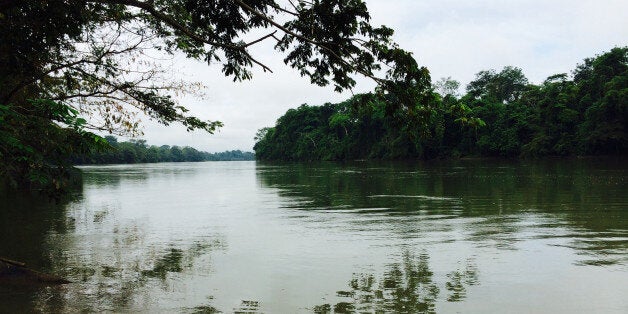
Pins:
x,y
506,86
82,54
553,118
602,88
447,86
501,115
42,162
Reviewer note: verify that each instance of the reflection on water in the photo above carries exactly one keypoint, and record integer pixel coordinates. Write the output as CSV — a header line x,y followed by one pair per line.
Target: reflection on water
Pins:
x,y
509,197
24,225
363,237
111,262
459,280
405,287
113,288
245,307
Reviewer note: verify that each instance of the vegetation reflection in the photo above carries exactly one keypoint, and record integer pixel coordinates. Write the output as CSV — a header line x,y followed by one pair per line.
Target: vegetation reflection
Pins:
x,y
578,200
122,285
246,307
122,277
25,222
405,287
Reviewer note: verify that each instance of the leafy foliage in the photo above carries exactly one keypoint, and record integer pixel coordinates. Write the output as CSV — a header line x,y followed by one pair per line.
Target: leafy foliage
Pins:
x,y
96,58
41,162
500,115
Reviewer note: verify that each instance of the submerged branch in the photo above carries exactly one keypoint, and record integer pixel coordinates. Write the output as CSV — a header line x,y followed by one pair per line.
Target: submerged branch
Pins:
x,y
17,273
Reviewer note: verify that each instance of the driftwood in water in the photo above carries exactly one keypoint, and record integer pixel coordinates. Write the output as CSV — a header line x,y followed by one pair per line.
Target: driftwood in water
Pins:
x,y
16,272
12,262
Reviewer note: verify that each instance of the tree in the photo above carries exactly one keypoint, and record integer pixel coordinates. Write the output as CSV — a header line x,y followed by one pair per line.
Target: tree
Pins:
x,y
602,91
447,86
35,152
506,86
501,115
88,58
92,57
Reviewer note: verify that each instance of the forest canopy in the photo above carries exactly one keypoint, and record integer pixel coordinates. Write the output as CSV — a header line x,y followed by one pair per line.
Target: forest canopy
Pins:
x,y
137,151
501,114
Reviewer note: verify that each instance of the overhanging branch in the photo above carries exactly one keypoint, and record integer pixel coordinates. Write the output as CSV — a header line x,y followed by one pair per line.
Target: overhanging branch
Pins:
x,y
148,7
308,40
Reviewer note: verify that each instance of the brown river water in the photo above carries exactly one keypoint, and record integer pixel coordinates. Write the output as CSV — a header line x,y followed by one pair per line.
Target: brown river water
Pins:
x,y
469,236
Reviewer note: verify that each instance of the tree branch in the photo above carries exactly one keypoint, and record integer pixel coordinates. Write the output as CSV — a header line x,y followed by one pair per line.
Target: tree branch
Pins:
x,y
260,39
61,66
148,7
279,8
313,42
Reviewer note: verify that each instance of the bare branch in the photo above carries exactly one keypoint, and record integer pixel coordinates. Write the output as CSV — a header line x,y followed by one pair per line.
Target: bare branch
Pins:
x,y
260,39
60,66
96,94
279,8
293,6
264,67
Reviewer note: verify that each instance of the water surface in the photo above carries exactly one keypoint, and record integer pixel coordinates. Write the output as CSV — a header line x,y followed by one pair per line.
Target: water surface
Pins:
x,y
467,236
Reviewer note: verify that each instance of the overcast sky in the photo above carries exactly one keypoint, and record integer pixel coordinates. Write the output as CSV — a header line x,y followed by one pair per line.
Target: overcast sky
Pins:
x,y
456,38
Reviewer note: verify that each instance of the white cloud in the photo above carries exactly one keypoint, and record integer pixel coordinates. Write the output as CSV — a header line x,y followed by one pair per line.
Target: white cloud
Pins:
x,y
452,38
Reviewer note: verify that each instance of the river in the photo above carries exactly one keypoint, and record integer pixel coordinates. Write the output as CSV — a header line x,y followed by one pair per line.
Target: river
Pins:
x,y
468,236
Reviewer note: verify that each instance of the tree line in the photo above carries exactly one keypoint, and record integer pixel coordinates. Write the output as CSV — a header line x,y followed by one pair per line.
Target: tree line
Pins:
x,y
501,114
137,151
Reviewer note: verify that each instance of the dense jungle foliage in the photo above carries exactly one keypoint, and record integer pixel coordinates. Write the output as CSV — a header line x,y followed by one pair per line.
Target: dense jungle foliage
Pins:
x,y
501,114
137,151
